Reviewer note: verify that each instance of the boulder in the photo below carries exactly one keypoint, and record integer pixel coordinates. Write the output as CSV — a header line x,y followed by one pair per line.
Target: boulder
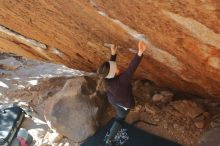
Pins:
x,y
199,122
163,97
167,94
72,111
157,97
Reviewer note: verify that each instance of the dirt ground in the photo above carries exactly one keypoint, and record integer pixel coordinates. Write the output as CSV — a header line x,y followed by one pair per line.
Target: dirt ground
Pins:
x,y
180,118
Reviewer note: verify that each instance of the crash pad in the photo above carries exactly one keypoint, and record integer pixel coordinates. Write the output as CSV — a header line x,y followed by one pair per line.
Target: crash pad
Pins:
x,y
128,135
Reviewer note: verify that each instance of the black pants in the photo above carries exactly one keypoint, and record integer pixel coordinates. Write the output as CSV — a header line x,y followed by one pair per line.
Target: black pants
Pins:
x,y
120,117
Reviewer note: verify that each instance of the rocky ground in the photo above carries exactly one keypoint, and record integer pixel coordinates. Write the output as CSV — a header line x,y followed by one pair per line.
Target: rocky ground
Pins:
x,y
176,116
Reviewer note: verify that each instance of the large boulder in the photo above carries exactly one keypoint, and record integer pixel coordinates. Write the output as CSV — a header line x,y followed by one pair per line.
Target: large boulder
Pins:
x,y
183,37
72,111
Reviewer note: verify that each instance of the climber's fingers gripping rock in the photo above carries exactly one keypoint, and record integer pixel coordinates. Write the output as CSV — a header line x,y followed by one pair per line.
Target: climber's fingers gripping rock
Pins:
x,y
142,46
114,49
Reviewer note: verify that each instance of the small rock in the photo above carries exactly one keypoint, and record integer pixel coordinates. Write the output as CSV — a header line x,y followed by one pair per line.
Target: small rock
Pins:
x,y
162,98
215,122
138,108
10,64
157,98
207,115
167,94
188,108
199,122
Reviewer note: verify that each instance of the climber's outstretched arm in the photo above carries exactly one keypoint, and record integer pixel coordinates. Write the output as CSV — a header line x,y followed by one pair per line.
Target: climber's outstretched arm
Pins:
x,y
128,73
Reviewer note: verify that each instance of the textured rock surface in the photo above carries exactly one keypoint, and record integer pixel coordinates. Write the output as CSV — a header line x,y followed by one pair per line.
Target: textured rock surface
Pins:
x,y
183,37
72,112
31,81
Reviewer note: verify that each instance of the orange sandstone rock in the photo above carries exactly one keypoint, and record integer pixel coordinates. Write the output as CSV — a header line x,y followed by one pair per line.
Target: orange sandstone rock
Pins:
x,y
184,37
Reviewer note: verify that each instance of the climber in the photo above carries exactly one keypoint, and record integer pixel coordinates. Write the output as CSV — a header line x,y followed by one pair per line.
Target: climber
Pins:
x,y
118,86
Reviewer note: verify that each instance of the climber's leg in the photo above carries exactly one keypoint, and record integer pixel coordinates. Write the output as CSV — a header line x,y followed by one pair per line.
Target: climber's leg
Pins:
x,y
120,117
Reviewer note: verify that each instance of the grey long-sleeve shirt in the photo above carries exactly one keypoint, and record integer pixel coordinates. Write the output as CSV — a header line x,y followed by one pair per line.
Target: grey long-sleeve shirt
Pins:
x,y
119,88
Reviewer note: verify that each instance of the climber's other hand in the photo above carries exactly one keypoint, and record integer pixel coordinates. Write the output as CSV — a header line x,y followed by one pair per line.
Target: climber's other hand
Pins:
x,y
141,47
114,49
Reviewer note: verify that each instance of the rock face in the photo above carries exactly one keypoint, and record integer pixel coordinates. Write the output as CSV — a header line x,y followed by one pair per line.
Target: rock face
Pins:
x,y
72,112
183,37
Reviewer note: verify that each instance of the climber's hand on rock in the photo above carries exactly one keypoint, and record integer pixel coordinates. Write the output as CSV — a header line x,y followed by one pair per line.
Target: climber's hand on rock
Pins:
x,y
141,48
114,49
